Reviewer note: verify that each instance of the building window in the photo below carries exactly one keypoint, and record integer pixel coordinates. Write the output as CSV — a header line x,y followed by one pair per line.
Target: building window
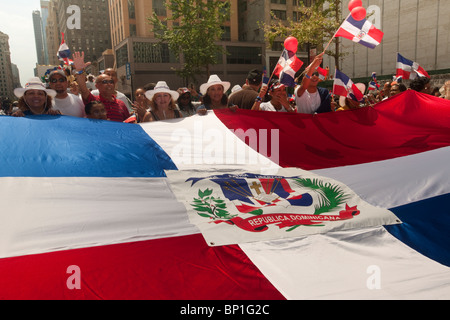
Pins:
x,y
307,3
280,14
145,52
131,9
244,55
277,46
226,36
160,8
122,56
133,31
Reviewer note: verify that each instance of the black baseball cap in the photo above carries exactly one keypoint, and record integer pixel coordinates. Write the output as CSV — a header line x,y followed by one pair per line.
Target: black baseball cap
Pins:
x,y
254,77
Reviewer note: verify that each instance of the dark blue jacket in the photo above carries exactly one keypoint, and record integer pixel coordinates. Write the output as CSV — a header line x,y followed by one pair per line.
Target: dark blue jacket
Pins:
x,y
325,100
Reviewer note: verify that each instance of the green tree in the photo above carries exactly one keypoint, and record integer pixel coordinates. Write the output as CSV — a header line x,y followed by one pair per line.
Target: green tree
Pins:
x,y
314,26
197,25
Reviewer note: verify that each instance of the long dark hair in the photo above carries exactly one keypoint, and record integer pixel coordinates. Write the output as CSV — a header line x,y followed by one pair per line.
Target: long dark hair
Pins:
x,y
190,105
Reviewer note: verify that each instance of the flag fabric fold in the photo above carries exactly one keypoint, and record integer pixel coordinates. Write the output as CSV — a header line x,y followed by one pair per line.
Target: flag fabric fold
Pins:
x,y
408,69
362,32
287,67
64,52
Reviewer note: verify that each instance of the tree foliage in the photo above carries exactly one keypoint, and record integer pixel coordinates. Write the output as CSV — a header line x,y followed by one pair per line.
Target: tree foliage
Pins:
x,y
315,25
192,35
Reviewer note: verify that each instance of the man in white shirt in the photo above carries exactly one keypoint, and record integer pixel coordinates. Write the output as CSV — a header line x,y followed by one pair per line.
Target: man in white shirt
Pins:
x,y
68,104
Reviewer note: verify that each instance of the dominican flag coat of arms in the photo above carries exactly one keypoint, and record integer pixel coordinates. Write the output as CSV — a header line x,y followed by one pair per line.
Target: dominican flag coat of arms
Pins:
x,y
241,207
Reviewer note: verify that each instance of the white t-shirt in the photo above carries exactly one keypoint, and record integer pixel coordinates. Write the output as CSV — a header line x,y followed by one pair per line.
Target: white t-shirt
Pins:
x,y
308,102
268,106
72,105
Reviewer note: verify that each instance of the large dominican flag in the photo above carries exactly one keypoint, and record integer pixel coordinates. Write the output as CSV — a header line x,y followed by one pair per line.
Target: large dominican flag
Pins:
x,y
87,210
408,69
362,32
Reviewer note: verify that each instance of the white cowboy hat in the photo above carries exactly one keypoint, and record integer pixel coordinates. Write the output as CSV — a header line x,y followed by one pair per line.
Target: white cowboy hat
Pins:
x,y
212,81
34,84
161,87
236,88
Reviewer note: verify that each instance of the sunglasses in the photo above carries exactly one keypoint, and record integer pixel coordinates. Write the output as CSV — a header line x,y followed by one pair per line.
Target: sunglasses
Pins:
x,y
107,81
58,80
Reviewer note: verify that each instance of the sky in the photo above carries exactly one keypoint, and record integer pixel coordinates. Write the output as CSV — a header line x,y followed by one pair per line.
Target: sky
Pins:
x,y
17,22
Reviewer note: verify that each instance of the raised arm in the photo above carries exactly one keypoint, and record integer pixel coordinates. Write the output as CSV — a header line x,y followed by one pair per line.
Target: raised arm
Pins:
x,y
80,66
309,71
262,93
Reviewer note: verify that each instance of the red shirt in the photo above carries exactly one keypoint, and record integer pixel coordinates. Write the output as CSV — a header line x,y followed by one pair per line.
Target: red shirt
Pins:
x,y
116,110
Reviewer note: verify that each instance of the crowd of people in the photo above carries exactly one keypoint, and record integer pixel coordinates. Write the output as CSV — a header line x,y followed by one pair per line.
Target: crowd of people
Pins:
x,y
78,95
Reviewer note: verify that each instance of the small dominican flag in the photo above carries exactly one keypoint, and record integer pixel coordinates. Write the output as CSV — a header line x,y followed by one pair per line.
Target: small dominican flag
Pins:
x,y
373,85
323,73
407,69
64,52
344,86
286,68
362,32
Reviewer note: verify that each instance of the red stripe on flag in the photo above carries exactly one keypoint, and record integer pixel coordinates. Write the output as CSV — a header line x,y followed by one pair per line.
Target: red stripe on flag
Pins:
x,y
181,268
406,124
376,34
344,34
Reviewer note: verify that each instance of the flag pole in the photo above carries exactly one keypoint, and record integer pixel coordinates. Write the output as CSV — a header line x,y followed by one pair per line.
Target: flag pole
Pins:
x,y
273,71
329,42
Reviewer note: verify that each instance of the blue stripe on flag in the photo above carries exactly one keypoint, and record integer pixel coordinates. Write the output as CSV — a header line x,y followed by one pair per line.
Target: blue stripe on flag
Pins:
x,y
368,44
425,227
77,147
358,24
403,60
